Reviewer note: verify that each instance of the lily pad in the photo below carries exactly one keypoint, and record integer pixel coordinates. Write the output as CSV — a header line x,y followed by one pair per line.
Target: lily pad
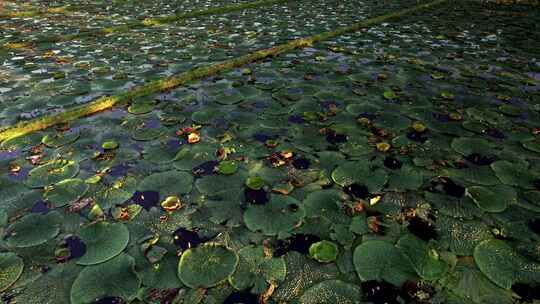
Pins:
x,y
60,139
381,260
227,167
360,172
11,268
51,173
114,278
103,242
503,265
324,251
66,192
513,174
424,258
280,215
492,199
34,229
206,266
167,183
257,270
331,291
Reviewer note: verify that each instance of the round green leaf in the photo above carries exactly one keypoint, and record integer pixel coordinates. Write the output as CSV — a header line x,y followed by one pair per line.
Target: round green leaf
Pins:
x,y
52,172
360,172
502,264
468,145
206,266
60,139
281,214
11,268
103,242
513,174
167,183
256,270
110,145
227,167
324,251
114,278
34,229
66,192
492,199
381,260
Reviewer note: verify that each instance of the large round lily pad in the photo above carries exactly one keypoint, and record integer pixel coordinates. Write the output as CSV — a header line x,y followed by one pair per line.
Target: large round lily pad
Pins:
x,y
66,192
462,235
11,267
167,183
503,265
114,278
360,172
492,199
206,266
423,257
326,204
513,174
467,146
381,260
51,173
280,215
103,242
34,229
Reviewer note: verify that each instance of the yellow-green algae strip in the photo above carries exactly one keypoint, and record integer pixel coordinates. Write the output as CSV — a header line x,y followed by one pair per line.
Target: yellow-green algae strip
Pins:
x,y
32,12
171,82
159,21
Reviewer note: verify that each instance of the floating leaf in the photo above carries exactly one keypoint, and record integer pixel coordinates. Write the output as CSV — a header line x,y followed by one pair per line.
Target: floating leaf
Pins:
x,y
51,173
34,229
281,214
256,270
324,251
227,167
513,174
332,291
206,265
167,183
66,192
463,235
503,265
493,199
361,173
60,139
381,260
103,242
424,258
11,268
114,278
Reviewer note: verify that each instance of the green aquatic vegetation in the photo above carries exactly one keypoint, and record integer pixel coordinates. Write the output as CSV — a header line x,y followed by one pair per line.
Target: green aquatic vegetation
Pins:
x,y
328,169
197,73
256,270
34,229
94,282
324,251
51,173
103,242
66,192
11,269
206,266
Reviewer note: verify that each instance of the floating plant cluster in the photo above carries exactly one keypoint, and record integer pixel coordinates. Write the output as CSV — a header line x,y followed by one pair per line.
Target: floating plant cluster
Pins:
x,y
398,164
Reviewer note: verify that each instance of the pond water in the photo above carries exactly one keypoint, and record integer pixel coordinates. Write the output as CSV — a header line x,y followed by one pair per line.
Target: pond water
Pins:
x,y
394,164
